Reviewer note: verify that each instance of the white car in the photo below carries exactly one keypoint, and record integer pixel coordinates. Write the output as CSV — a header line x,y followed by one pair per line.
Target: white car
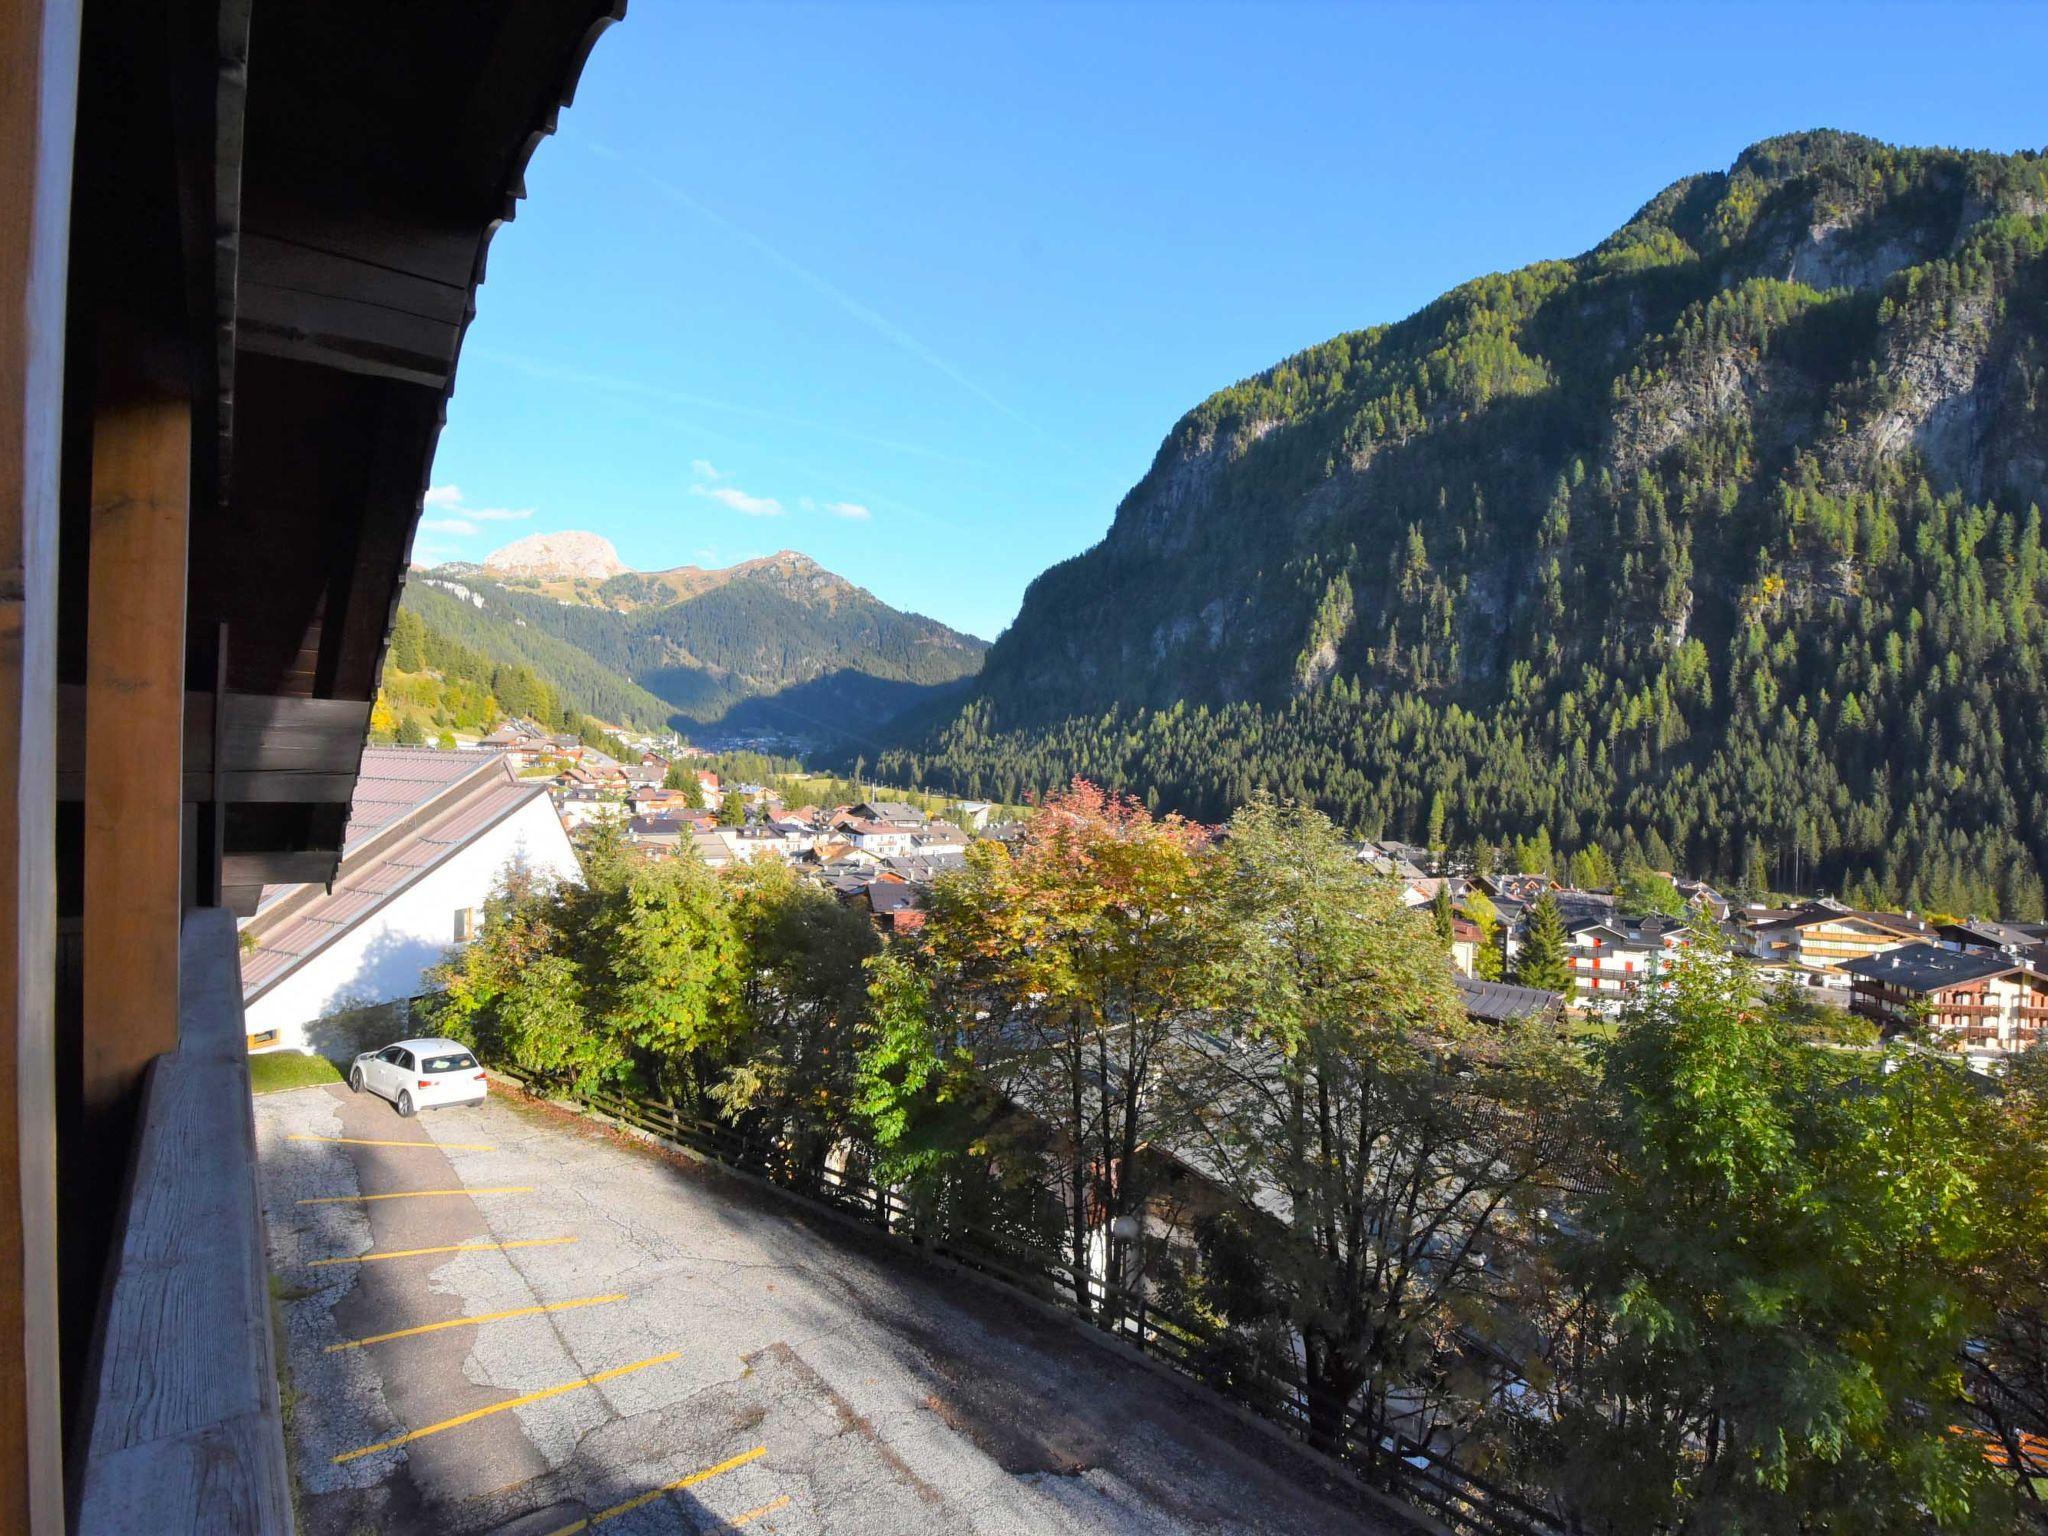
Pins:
x,y
421,1074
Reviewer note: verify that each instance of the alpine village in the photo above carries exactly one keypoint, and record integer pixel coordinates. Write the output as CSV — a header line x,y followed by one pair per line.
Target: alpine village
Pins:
x,y
1478,965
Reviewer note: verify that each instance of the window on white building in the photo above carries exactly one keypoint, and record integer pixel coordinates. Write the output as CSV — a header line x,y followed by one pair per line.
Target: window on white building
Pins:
x,y
465,924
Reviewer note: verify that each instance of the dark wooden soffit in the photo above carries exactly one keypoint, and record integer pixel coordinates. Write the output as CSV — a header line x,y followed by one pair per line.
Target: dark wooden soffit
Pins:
x,y
382,147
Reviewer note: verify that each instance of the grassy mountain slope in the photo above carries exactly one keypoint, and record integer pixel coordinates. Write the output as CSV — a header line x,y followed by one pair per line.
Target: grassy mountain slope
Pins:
x,y
1721,539
776,643
579,679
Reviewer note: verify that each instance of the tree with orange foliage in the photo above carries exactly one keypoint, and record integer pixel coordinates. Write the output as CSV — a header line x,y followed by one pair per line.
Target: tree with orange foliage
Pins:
x,y
1064,969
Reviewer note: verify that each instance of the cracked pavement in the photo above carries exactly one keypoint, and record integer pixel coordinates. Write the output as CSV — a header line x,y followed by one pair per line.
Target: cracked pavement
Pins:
x,y
883,1395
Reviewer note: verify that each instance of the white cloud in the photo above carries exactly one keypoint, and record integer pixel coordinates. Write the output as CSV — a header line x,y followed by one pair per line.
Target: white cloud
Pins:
x,y
455,525
849,509
448,498
704,469
732,496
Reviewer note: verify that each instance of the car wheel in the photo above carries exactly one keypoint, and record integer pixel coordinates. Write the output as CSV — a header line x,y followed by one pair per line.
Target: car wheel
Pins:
x,y
355,1079
405,1106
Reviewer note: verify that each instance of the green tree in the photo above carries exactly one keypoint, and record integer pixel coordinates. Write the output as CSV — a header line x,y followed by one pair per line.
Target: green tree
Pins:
x,y
1335,1082
1644,890
1441,915
516,992
683,780
732,811
1542,961
803,1001
1069,969
672,968
1488,962
408,642
1774,1282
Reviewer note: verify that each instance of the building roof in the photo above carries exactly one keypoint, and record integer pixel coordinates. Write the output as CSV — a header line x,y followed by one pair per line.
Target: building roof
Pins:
x,y
396,781
1500,1001
886,896
1980,930
1651,930
1816,912
658,826
1929,968
424,833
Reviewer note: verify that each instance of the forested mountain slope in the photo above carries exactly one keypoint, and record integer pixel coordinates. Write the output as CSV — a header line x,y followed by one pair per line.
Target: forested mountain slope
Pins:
x,y
1725,533
773,643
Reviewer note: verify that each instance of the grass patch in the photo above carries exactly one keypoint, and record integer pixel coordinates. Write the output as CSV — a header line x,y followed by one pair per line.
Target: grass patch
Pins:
x,y
288,1069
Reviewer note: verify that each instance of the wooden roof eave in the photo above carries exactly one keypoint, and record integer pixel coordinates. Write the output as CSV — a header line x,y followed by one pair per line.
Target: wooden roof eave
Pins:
x,y
371,287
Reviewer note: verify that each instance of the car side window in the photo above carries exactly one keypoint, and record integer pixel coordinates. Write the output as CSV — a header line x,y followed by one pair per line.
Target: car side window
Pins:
x,y
405,1061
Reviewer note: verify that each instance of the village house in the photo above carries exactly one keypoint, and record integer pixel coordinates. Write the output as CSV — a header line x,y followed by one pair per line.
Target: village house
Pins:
x,y
1989,1006
1980,936
1820,937
580,806
711,849
659,834
883,839
897,906
1465,941
1612,957
888,810
429,835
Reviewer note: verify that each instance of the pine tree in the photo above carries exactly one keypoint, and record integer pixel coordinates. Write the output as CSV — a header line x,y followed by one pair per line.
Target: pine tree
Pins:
x,y
1542,962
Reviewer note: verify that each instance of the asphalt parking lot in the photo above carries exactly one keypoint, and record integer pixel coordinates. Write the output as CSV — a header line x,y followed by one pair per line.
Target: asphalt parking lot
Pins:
x,y
501,1320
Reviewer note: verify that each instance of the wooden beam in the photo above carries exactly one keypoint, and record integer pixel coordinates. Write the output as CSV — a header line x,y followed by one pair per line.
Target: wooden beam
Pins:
x,y
134,744
38,108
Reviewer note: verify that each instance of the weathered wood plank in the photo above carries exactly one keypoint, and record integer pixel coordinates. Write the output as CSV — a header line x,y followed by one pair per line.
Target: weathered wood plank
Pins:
x,y
291,266
185,1433
345,334
266,743
135,716
38,106
279,867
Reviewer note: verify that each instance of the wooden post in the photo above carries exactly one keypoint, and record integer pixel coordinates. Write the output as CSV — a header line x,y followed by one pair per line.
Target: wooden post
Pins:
x,y
134,745
38,108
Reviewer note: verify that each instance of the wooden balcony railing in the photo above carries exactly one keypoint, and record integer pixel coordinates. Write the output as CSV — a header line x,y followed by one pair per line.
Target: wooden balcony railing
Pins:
x,y
181,1430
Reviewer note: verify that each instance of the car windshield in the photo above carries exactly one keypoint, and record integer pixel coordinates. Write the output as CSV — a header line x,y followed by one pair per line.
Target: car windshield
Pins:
x,y
456,1063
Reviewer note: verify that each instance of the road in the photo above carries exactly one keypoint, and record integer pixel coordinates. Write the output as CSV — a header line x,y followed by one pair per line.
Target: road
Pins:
x,y
503,1319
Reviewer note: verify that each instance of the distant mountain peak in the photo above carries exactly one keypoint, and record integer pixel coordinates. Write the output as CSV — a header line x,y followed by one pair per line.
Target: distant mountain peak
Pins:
x,y
558,555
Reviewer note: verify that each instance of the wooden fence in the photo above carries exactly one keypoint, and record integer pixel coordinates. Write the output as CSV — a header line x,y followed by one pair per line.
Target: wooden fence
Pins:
x,y
1458,1499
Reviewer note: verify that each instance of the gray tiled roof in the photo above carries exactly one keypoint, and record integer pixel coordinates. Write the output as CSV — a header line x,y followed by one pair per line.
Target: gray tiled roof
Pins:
x,y
1926,968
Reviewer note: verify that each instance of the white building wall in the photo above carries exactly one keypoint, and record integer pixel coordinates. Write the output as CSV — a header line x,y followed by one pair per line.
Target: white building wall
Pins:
x,y
381,959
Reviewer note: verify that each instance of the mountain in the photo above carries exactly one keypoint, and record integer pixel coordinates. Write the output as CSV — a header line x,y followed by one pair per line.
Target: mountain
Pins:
x,y
1719,543
776,645
556,555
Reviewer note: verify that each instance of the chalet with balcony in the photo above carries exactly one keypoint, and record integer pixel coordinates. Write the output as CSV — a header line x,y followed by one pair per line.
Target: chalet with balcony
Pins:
x,y
1612,957
1820,938
1989,1006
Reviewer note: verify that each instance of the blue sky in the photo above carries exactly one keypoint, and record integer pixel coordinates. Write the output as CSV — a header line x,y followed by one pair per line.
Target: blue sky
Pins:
x,y
918,289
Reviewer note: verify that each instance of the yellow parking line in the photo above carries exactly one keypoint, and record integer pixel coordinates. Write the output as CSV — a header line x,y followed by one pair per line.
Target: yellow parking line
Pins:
x,y
421,1194
487,1317
363,1141
414,1253
753,1514
517,1402
654,1493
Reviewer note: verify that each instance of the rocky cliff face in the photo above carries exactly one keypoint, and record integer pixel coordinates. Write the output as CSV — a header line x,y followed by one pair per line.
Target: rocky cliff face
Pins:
x,y
563,556
1725,531
1828,302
